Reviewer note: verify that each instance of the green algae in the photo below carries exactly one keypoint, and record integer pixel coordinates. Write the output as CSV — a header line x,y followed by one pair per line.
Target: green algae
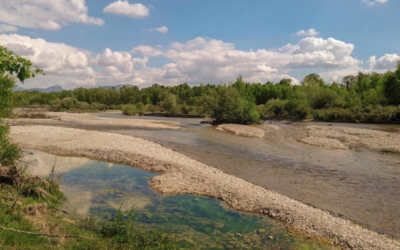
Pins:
x,y
196,222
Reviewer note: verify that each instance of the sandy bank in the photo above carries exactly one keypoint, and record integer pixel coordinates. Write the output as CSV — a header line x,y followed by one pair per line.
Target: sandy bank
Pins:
x,y
324,142
181,174
241,130
372,139
62,118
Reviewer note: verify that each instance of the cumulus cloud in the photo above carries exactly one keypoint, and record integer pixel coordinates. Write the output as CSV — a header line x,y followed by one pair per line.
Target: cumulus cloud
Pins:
x,y
162,29
136,10
372,3
201,60
52,57
62,63
211,60
48,15
310,32
386,62
5,28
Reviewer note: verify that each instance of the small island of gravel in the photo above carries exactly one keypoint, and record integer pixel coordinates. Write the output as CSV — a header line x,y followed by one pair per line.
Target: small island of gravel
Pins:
x,y
241,130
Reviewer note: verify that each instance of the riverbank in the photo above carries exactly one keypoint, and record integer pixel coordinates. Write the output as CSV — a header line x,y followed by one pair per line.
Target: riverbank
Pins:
x,y
87,119
334,137
241,130
181,174
32,218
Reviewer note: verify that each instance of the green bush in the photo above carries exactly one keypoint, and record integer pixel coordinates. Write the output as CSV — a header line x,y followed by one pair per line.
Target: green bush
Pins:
x,y
9,152
276,106
298,108
130,110
370,114
230,107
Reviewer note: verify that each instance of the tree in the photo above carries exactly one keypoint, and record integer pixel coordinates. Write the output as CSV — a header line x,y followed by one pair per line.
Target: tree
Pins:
x,y
11,65
392,86
313,80
170,104
276,106
230,107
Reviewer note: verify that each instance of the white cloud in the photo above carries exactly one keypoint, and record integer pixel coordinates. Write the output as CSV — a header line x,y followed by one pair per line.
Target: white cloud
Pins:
x,y
210,60
310,32
372,3
136,10
386,62
5,28
48,15
162,29
320,53
201,60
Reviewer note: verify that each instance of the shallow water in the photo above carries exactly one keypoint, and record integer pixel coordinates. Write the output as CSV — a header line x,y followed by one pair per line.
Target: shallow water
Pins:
x,y
200,223
356,184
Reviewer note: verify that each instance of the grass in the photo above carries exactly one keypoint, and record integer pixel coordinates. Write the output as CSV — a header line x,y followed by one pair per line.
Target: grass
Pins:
x,y
19,191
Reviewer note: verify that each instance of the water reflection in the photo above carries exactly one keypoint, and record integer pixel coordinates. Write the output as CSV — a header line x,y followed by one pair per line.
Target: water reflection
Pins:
x,y
200,223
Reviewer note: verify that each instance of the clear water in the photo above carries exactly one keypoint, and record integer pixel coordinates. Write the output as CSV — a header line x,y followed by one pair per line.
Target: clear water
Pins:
x,y
101,189
358,184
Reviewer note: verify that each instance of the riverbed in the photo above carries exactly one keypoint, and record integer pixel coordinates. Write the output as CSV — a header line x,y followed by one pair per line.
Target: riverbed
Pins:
x,y
101,189
340,180
357,184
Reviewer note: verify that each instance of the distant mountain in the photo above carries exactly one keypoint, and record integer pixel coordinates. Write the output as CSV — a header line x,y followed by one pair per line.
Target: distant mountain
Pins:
x,y
59,88
18,88
117,87
42,90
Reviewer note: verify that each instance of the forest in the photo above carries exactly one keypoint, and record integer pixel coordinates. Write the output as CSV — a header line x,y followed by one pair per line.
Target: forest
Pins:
x,y
362,98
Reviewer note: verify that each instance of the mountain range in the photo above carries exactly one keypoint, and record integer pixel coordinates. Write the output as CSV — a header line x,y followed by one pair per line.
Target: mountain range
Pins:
x,y
58,88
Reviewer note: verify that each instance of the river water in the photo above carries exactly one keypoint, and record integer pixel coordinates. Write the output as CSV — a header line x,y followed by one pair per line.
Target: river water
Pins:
x,y
101,189
357,184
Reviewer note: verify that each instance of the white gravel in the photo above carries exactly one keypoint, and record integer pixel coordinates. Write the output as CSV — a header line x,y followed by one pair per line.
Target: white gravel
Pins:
x,y
181,174
60,118
324,142
372,139
241,130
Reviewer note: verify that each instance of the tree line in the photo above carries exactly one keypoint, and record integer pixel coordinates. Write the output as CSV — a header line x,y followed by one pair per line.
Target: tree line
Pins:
x,y
371,98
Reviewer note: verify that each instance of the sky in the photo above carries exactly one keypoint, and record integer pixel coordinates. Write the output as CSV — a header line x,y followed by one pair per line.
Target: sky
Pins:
x,y
93,43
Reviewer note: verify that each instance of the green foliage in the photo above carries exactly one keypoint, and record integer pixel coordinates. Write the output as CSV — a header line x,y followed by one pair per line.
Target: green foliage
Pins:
x,y
170,104
392,86
231,107
9,152
276,106
130,110
73,105
10,65
240,102
370,114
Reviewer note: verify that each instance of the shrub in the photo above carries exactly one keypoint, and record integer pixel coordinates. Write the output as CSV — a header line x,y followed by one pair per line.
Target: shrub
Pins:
x,y
9,152
370,114
276,106
130,110
230,107
298,108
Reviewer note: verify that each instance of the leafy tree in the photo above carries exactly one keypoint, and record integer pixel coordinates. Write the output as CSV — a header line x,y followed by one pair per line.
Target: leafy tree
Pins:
x,y
276,106
392,86
313,80
231,108
11,65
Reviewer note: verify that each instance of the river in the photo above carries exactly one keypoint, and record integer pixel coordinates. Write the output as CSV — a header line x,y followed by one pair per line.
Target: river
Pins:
x,y
357,184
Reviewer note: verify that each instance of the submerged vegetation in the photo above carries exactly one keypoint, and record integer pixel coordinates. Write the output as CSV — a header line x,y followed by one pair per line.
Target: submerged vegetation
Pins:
x,y
372,98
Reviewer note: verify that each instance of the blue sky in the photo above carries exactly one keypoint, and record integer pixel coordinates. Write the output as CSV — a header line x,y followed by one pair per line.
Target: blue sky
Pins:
x,y
239,26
